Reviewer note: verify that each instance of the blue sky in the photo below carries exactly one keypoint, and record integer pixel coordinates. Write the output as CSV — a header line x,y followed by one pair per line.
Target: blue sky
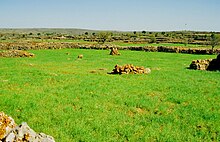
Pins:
x,y
149,15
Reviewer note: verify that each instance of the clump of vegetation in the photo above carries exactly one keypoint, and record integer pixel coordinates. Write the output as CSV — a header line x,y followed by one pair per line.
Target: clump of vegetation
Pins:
x,y
214,40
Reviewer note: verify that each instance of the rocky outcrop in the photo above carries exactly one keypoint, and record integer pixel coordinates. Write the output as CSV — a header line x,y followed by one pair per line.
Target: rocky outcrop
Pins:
x,y
207,64
130,69
16,53
10,132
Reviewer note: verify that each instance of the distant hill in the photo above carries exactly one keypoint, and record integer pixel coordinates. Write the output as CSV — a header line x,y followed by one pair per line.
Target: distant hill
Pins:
x,y
46,30
75,31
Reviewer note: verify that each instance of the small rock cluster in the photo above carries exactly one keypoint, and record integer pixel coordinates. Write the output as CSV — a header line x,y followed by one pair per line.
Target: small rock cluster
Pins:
x,y
16,53
10,132
207,64
130,69
80,56
114,51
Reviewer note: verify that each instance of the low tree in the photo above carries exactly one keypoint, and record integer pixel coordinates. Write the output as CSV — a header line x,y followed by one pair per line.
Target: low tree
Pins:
x,y
86,33
152,39
144,32
103,36
214,40
185,41
93,34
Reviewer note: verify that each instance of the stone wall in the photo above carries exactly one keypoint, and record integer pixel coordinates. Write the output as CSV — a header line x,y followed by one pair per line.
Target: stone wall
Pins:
x,y
60,45
15,53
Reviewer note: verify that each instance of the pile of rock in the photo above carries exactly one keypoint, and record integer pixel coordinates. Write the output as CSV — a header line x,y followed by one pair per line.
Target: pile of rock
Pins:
x,y
16,53
200,64
130,69
207,64
114,51
10,132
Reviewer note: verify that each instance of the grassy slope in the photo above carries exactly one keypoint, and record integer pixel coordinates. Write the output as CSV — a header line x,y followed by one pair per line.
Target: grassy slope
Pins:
x,y
55,93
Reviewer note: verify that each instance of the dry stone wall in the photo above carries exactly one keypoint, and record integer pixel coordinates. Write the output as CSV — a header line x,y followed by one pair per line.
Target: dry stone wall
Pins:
x,y
59,45
16,53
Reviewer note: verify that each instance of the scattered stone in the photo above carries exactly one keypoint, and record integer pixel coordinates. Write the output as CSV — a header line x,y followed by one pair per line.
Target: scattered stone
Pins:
x,y
16,53
10,132
93,71
102,69
130,69
80,56
207,64
31,65
114,51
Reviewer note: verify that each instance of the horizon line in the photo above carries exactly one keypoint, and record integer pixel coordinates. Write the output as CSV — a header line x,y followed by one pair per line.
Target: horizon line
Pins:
x,y
71,28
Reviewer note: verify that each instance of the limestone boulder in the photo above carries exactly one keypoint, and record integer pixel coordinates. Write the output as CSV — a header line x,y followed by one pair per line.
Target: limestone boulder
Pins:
x,y
10,132
114,51
6,125
24,133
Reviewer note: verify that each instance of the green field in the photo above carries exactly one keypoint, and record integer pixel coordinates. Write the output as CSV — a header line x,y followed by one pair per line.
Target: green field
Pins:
x,y
76,100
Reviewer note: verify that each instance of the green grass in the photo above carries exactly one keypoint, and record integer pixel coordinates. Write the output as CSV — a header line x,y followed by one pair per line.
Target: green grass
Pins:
x,y
76,100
